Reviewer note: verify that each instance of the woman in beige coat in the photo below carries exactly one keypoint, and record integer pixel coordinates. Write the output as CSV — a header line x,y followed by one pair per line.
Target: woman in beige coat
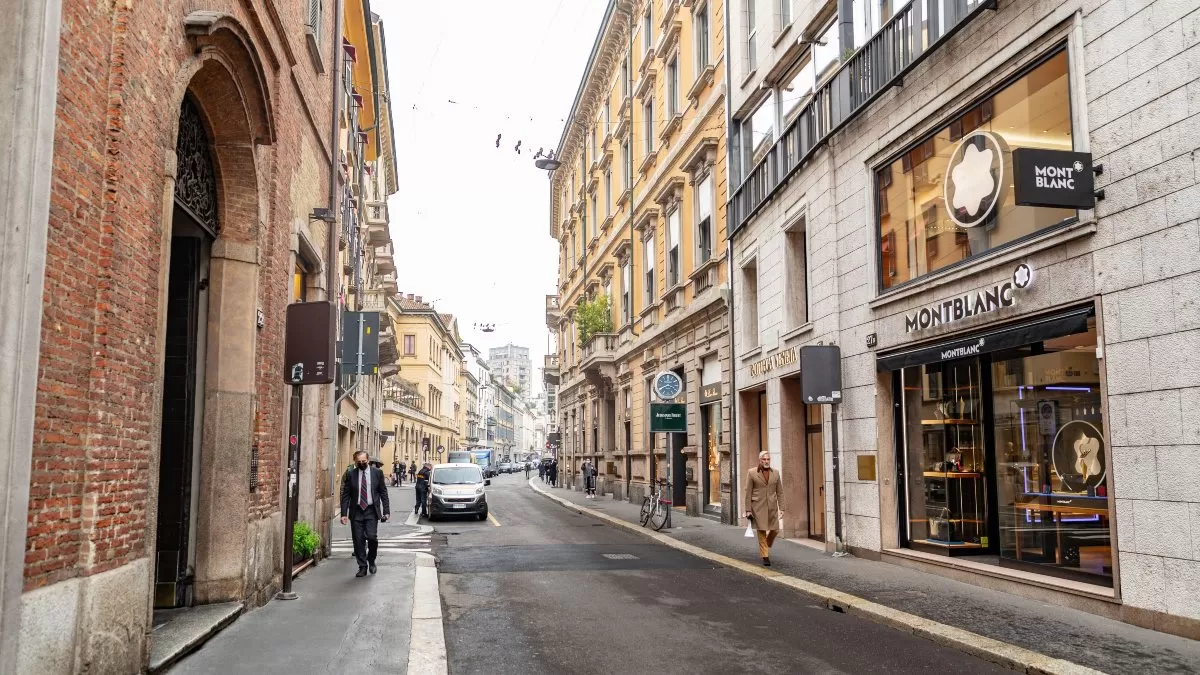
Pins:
x,y
764,499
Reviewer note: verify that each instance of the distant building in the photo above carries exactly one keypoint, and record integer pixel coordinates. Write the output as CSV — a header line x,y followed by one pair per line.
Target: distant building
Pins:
x,y
511,365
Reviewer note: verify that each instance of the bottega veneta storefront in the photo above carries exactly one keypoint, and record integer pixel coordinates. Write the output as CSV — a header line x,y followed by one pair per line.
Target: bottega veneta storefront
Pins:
x,y
998,437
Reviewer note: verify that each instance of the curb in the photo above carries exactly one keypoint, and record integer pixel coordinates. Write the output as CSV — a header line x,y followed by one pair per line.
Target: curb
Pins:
x,y
1002,653
427,641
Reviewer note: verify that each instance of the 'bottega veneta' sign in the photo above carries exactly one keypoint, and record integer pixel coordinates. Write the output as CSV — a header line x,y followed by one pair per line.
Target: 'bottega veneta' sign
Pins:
x,y
972,304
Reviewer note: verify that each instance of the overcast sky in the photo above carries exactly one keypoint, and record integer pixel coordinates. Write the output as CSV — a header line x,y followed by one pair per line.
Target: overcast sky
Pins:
x,y
471,221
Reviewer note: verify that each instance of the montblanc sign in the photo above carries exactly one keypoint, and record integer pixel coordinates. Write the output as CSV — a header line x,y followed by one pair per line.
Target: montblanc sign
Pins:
x,y
972,304
1053,178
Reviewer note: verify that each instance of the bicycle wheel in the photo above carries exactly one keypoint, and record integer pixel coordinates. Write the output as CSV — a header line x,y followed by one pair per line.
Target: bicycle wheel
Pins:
x,y
658,517
645,516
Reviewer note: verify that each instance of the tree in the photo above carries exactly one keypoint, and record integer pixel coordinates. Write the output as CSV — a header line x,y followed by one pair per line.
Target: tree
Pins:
x,y
593,317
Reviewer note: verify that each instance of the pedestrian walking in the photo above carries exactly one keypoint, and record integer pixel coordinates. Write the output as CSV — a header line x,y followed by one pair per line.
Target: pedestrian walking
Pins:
x,y
397,473
764,499
422,489
364,504
542,471
589,479
412,470
554,472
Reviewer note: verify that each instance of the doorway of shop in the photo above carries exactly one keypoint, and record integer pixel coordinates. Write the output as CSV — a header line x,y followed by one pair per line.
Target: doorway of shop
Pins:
x,y
710,437
814,446
628,458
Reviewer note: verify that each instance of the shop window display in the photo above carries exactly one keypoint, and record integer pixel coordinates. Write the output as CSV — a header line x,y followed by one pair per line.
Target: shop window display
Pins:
x,y
1004,458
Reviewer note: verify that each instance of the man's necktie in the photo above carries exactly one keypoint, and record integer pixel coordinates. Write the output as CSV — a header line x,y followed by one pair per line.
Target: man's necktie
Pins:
x,y
362,489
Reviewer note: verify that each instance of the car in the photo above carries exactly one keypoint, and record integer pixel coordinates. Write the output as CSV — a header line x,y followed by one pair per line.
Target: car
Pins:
x,y
489,471
457,489
505,467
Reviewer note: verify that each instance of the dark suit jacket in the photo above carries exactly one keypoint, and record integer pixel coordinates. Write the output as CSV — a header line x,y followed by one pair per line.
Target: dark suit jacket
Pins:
x,y
379,493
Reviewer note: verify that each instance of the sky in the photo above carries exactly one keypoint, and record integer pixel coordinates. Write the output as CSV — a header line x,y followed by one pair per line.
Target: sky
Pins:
x,y
471,222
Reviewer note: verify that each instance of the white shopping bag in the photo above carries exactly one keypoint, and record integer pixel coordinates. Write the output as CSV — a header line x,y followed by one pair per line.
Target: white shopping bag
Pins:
x,y
749,531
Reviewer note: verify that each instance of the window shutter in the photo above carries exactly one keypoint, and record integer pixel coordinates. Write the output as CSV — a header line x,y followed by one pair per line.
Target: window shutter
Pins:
x,y
313,25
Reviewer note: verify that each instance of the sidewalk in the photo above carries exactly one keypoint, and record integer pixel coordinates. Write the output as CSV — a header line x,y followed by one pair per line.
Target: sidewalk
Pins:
x,y
341,622
979,620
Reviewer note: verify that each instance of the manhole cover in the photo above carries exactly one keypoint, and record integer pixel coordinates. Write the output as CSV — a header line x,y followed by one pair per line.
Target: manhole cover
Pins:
x,y
620,556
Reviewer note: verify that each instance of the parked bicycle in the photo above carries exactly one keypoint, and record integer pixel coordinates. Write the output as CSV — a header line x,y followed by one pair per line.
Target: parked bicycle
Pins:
x,y
656,507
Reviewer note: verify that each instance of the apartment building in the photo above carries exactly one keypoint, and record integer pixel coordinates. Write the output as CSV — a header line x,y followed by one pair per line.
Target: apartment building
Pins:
x,y
637,209
990,208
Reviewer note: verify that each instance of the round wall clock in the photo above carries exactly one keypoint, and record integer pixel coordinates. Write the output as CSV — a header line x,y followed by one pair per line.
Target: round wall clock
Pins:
x,y
667,385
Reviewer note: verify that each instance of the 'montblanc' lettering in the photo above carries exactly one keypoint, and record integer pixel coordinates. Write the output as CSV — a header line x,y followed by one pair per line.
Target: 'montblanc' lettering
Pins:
x,y
948,311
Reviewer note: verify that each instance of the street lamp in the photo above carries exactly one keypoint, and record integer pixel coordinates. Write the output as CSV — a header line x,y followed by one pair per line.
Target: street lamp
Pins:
x,y
547,163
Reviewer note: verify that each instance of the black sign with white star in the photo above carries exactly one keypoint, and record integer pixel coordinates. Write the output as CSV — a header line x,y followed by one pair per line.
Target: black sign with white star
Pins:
x,y
1053,178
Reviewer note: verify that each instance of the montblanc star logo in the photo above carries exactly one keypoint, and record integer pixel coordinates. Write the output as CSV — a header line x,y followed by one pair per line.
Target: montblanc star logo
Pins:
x,y
1022,276
973,180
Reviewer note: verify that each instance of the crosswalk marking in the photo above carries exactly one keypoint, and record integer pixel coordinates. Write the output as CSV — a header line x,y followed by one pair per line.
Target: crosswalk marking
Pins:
x,y
413,541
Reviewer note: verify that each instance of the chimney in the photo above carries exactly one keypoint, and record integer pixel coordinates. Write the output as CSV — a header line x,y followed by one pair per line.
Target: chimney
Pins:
x,y
418,298
410,296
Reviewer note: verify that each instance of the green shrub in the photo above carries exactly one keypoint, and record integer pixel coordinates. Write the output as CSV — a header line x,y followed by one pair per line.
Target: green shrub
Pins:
x,y
304,540
593,317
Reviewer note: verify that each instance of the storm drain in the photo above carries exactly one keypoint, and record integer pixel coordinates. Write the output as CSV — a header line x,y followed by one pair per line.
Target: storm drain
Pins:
x,y
620,556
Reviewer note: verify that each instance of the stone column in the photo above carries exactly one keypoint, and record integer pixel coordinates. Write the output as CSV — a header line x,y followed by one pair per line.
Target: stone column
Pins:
x,y
29,67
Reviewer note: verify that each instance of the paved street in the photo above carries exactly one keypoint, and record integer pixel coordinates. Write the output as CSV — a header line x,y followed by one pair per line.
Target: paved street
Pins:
x,y
546,590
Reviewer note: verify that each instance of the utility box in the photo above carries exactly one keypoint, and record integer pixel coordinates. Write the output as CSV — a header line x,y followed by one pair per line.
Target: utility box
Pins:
x,y
821,374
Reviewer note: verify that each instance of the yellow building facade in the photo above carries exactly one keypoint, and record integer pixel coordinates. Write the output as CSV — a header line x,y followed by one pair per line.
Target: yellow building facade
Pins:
x,y
424,401
637,208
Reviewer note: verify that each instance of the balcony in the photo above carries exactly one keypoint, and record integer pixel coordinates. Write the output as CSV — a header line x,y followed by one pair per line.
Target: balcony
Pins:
x,y
384,262
902,43
597,356
550,373
377,224
388,283
553,315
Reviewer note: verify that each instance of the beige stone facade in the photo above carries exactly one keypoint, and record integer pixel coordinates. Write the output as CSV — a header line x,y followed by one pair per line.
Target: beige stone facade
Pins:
x,y
638,210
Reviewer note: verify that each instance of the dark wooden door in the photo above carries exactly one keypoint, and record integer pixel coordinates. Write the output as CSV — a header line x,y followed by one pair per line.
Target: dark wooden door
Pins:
x,y
176,452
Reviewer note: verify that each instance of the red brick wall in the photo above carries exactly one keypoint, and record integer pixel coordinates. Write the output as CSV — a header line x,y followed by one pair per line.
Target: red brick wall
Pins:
x,y
94,451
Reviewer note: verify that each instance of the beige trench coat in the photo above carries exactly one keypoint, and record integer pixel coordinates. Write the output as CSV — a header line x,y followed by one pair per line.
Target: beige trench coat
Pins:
x,y
764,498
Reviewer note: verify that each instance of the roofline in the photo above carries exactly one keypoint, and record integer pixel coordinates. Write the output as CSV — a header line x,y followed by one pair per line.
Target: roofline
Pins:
x,y
587,71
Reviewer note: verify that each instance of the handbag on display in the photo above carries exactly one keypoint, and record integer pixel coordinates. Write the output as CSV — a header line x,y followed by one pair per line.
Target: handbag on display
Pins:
x,y
939,526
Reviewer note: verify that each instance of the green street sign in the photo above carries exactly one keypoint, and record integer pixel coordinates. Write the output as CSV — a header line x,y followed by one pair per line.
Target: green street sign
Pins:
x,y
668,417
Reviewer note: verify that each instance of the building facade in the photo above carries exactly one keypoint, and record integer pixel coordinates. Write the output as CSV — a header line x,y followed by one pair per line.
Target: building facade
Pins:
x,y
638,210
1017,387
511,365
193,193
420,400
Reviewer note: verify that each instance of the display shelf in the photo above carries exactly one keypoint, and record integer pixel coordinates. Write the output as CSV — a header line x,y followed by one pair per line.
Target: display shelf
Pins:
x,y
952,474
946,422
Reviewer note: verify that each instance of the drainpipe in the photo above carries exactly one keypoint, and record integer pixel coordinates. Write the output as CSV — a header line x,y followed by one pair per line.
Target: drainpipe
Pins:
x,y
333,281
734,464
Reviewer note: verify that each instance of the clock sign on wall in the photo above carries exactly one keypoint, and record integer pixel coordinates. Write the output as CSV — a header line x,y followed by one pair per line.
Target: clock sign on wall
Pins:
x,y
667,385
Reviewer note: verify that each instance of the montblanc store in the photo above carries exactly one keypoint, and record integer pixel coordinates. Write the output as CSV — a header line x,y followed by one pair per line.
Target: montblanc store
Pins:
x,y
988,343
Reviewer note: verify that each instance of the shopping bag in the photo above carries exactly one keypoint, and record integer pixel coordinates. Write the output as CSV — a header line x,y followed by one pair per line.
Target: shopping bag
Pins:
x,y
749,530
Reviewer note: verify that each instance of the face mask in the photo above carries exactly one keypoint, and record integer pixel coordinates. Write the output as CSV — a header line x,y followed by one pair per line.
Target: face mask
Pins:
x,y
362,465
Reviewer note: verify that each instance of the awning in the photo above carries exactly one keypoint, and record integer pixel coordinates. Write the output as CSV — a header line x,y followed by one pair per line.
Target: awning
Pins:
x,y
997,339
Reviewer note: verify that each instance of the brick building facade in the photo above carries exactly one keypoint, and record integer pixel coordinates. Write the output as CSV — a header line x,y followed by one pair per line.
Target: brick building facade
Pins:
x,y
190,147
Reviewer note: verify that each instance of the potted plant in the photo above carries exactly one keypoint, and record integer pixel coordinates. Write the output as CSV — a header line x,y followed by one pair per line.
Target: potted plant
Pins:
x,y
305,541
593,317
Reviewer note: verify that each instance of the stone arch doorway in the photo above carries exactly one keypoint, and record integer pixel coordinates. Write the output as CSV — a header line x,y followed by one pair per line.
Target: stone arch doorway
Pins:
x,y
208,548
194,226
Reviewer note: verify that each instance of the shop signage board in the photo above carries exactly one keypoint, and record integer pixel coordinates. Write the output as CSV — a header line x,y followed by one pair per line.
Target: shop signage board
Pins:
x,y
1053,178
710,393
668,417
786,357
821,374
989,300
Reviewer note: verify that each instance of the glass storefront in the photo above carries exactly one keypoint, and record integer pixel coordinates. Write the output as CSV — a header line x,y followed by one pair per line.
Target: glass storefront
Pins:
x,y
1004,457
968,162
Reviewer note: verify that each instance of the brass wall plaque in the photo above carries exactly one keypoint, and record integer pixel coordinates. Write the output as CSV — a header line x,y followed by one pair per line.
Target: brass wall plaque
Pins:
x,y
866,467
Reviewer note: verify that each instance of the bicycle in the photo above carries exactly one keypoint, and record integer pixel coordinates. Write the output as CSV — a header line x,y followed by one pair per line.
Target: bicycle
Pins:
x,y
656,507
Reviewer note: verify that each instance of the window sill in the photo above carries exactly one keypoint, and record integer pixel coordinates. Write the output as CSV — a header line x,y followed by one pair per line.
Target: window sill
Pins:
x,y
783,33
1003,256
749,77
648,162
750,353
802,329
703,80
671,127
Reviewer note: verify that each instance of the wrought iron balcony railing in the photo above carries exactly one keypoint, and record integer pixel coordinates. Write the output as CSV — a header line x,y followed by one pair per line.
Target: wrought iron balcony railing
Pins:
x,y
903,42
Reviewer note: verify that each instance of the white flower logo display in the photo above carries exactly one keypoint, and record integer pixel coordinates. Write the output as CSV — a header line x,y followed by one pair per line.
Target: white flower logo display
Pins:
x,y
973,180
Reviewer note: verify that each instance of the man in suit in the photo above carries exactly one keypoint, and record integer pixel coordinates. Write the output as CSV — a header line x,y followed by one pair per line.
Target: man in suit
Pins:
x,y
364,504
764,501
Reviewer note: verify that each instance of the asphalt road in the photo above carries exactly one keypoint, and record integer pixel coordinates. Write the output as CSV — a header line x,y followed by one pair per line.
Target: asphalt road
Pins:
x,y
542,589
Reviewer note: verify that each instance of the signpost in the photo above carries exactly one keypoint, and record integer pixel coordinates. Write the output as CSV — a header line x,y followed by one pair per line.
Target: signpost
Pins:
x,y
820,383
307,359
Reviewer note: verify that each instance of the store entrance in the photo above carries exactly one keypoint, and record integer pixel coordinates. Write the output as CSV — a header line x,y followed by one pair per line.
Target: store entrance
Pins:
x,y
815,464
710,426
1003,454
